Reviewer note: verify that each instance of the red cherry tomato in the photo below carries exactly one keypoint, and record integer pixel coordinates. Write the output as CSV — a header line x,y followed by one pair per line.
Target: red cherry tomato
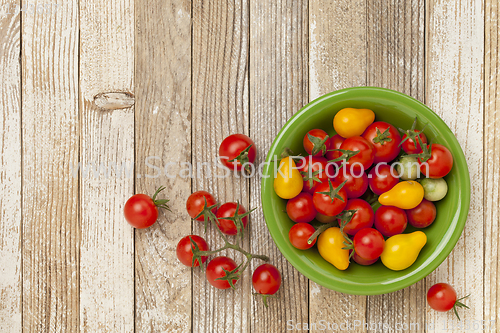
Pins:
x,y
385,139
140,211
363,218
215,270
368,243
423,215
301,208
318,143
356,184
227,210
362,160
329,205
266,279
299,234
313,171
381,180
334,143
439,164
442,297
409,145
390,220
185,252
196,202
236,147
362,261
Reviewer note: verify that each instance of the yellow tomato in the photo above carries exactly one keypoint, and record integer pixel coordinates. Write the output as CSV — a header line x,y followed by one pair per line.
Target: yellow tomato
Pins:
x,y
405,195
288,182
352,122
330,244
401,251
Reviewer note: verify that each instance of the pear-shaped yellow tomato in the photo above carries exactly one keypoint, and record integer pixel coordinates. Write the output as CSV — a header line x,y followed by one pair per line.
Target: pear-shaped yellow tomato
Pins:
x,y
288,182
401,251
350,122
405,195
330,244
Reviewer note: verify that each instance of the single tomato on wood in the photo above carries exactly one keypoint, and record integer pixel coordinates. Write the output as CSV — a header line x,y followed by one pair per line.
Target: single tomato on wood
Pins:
x,y
141,211
237,151
266,279
442,297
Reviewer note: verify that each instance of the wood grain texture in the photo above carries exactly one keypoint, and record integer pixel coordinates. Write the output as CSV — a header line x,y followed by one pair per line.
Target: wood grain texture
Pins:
x,y
219,108
50,149
10,171
395,55
163,127
337,59
278,88
491,165
454,90
107,139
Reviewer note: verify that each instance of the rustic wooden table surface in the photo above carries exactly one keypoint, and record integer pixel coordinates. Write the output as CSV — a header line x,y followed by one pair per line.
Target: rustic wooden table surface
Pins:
x,y
187,74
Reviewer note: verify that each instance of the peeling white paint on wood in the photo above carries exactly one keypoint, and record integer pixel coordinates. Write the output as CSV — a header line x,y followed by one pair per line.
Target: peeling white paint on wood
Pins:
x,y
491,165
278,88
50,128
163,85
10,173
346,44
107,258
337,60
454,90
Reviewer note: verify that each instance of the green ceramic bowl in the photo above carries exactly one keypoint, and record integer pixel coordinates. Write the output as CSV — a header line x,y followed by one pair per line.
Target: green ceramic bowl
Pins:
x,y
399,110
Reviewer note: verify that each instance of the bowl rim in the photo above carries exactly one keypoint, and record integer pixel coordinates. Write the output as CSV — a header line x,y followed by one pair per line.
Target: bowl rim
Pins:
x,y
384,288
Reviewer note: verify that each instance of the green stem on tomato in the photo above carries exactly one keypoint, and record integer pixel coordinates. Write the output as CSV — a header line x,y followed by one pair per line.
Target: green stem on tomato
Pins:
x,y
320,230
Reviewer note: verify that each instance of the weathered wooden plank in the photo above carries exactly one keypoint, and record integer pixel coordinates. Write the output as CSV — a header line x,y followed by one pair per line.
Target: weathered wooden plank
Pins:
x,y
278,88
219,108
50,128
337,59
491,165
163,127
454,90
107,139
10,171
395,55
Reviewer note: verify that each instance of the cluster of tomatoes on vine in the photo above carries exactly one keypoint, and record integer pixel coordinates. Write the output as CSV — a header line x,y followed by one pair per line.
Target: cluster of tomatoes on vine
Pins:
x,y
230,219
